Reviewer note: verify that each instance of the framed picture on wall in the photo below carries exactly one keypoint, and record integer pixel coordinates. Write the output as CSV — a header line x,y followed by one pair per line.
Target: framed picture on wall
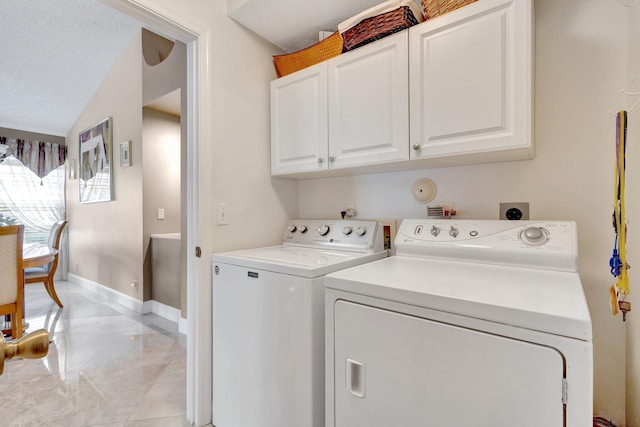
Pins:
x,y
95,174
125,154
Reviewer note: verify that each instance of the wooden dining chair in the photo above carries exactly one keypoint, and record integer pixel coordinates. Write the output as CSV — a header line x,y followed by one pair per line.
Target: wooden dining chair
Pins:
x,y
12,276
45,273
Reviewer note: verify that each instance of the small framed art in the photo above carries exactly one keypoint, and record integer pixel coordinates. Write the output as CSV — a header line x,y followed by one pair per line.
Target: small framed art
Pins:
x,y
95,183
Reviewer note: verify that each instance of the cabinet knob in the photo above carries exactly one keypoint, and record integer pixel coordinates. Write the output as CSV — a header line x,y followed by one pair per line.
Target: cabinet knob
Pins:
x,y
319,160
416,147
332,159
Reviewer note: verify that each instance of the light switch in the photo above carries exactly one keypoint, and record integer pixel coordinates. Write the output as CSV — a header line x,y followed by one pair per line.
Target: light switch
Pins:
x,y
223,218
160,213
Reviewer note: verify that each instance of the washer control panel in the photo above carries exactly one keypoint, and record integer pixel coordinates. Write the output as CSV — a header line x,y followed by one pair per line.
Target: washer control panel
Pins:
x,y
541,244
354,235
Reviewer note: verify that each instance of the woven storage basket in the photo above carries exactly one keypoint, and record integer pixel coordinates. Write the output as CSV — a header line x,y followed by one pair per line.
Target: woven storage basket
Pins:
x,y
434,8
321,51
377,27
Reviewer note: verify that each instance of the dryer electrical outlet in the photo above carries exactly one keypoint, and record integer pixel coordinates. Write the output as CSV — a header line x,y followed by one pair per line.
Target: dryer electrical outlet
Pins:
x,y
514,210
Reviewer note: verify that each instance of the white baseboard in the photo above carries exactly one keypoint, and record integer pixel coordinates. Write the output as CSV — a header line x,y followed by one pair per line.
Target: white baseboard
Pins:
x,y
182,326
143,307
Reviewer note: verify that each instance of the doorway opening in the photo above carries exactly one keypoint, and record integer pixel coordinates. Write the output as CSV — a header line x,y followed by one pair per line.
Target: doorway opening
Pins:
x,y
174,26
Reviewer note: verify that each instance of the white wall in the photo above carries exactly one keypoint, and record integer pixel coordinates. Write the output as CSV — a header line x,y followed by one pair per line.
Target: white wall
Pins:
x,y
259,205
633,214
580,66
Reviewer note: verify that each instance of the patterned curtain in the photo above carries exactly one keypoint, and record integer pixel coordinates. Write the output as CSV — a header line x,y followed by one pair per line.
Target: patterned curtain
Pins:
x,y
40,157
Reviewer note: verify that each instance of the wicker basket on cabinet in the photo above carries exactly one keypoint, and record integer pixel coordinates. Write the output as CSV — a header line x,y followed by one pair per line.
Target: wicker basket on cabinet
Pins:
x,y
377,27
434,8
321,51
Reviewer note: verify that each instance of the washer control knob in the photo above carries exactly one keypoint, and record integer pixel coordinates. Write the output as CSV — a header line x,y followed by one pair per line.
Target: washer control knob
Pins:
x,y
347,230
435,231
453,232
303,229
361,231
292,228
323,230
534,236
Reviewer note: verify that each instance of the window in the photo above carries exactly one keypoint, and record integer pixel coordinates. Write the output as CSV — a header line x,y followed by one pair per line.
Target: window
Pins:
x,y
35,202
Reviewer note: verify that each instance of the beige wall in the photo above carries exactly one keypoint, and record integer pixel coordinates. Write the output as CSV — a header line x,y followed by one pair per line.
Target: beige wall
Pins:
x,y
157,81
166,269
161,149
633,213
579,70
105,239
161,142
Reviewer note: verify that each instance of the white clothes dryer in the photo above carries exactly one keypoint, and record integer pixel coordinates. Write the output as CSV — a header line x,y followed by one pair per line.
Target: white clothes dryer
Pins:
x,y
472,323
268,322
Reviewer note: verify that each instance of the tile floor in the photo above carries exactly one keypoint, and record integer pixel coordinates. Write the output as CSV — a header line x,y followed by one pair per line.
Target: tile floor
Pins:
x,y
107,366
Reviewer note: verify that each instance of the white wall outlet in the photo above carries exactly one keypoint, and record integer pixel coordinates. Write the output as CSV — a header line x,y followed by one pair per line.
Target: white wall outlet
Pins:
x,y
223,214
160,213
514,210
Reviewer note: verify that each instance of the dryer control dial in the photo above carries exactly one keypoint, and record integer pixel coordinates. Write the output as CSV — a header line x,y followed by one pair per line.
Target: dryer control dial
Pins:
x,y
347,230
361,231
292,228
303,229
323,230
534,236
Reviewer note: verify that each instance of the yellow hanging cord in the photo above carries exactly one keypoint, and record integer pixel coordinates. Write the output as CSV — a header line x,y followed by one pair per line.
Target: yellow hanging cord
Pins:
x,y
620,289
622,283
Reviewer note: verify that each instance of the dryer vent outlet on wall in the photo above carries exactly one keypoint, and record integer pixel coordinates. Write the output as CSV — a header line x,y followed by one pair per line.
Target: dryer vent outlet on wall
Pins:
x,y
514,210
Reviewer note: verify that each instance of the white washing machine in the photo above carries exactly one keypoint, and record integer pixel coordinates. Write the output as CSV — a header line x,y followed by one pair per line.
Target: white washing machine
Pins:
x,y
472,323
268,322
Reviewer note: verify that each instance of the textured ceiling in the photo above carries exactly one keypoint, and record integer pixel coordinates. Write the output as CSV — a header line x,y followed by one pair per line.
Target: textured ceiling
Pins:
x,y
54,54
291,24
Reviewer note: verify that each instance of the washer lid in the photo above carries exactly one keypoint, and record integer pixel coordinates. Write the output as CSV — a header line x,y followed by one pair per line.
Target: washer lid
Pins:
x,y
542,300
296,261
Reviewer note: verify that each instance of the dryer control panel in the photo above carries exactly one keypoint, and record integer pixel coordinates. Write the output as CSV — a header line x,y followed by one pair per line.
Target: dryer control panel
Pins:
x,y
355,235
541,244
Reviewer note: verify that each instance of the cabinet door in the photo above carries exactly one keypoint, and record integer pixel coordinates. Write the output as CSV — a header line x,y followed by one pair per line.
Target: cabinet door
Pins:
x,y
368,104
299,121
471,73
393,369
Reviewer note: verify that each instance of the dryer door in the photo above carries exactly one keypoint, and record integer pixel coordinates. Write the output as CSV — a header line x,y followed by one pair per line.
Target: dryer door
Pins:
x,y
393,369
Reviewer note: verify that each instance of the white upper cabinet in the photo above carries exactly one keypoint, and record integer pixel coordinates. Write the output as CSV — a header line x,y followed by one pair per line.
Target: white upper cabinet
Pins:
x,y
351,110
299,121
471,83
453,90
369,104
